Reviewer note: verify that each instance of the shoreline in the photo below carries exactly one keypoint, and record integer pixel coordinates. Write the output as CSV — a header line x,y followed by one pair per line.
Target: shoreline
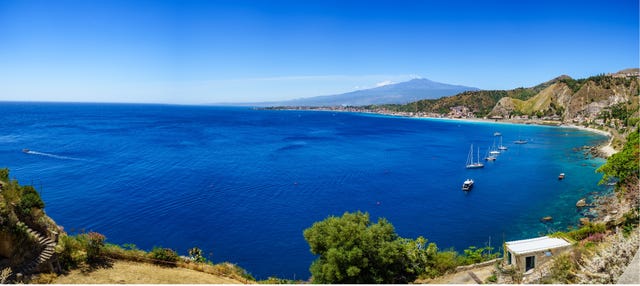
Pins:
x,y
602,205
604,150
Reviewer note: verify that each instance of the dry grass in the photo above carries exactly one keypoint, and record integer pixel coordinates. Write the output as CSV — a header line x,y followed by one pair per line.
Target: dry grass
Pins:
x,y
127,272
461,277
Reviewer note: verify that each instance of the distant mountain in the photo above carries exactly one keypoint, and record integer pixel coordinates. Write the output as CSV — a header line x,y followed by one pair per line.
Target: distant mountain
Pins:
x,y
398,93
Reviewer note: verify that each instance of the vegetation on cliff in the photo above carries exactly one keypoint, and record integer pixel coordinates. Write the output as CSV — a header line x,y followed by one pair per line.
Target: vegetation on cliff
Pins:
x,y
624,165
602,250
351,249
21,209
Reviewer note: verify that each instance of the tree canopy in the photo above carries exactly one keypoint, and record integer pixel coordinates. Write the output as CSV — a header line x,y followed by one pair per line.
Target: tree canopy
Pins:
x,y
353,250
624,164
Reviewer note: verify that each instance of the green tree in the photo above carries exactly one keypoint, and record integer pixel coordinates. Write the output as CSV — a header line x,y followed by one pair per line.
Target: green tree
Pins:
x,y
353,250
624,164
29,199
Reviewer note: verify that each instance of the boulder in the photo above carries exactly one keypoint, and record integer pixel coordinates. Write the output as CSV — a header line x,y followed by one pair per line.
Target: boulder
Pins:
x,y
581,203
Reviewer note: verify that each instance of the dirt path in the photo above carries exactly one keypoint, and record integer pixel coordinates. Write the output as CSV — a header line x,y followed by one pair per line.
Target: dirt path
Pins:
x,y
463,277
125,272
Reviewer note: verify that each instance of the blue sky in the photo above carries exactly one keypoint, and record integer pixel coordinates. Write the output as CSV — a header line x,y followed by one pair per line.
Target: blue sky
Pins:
x,y
194,52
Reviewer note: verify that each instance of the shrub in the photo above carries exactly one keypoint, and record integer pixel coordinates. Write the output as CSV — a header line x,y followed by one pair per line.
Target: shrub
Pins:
x,y
196,255
586,231
563,269
95,246
28,200
69,251
164,255
353,250
476,255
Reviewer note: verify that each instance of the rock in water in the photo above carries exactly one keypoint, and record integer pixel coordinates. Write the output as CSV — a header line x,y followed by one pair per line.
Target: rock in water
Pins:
x,y
581,203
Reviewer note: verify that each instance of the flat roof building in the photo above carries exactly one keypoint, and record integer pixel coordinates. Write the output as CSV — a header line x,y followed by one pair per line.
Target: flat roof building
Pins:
x,y
527,254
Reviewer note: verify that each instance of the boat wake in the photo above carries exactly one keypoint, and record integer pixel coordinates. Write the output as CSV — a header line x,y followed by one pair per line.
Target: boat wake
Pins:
x,y
52,155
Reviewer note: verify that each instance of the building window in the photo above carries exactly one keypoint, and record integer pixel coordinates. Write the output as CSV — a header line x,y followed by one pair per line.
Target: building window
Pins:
x,y
530,263
508,257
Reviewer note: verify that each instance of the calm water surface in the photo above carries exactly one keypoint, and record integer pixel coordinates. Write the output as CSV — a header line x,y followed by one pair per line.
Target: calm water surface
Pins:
x,y
243,184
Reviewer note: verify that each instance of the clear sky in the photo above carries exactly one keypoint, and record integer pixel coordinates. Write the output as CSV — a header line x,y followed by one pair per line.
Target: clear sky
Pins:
x,y
195,52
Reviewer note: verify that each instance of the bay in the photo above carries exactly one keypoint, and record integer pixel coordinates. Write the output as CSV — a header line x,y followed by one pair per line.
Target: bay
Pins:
x,y
243,184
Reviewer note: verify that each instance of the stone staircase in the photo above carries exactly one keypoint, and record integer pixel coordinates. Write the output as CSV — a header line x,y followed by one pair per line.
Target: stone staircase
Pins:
x,y
48,249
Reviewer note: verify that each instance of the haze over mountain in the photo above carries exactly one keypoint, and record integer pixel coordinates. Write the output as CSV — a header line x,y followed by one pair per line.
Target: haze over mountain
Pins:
x,y
399,93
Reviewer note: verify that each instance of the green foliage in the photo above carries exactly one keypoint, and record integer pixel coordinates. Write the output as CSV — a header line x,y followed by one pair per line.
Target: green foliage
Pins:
x,y
476,255
4,175
353,250
631,221
624,164
29,199
443,262
69,252
563,270
573,84
95,246
164,255
491,279
586,231
196,255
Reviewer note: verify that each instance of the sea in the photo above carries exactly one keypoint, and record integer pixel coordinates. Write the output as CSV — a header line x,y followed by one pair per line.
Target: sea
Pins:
x,y
243,184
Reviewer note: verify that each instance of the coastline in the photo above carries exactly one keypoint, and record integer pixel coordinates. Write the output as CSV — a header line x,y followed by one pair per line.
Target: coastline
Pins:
x,y
604,150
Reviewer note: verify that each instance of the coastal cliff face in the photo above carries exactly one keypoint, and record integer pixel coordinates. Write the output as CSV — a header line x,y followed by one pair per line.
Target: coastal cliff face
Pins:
x,y
571,101
25,230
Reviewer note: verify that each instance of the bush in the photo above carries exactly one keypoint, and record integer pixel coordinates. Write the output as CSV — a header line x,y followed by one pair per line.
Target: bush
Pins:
x,y
586,231
95,246
164,255
563,269
476,255
29,199
353,250
69,250
196,255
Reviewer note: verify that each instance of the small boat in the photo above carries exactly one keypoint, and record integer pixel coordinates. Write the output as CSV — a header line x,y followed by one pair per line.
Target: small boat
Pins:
x,y
470,163
497,133
501,147
25,150
520,141
561,176
467,185
490,156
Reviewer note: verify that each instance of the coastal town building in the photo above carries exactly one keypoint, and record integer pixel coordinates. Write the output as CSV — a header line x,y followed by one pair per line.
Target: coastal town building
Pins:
x,y
460,112
527,254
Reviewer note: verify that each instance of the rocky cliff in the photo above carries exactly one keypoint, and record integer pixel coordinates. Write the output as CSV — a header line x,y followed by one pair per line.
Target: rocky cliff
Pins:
x,y
572,100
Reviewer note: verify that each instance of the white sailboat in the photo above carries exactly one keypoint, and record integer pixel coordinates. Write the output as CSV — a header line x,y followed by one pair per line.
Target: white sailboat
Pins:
x,y
493,150
470,163
501,147
490,156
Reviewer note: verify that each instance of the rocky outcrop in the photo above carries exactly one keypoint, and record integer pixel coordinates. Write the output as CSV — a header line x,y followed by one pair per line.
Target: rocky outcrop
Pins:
x,y
503,108
610,260
571,100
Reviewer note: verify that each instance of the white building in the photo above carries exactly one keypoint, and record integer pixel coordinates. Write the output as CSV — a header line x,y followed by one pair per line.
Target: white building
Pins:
x,y
527,254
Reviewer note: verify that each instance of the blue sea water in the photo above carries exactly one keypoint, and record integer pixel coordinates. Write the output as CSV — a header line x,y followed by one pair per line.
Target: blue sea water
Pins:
x,y
243,184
